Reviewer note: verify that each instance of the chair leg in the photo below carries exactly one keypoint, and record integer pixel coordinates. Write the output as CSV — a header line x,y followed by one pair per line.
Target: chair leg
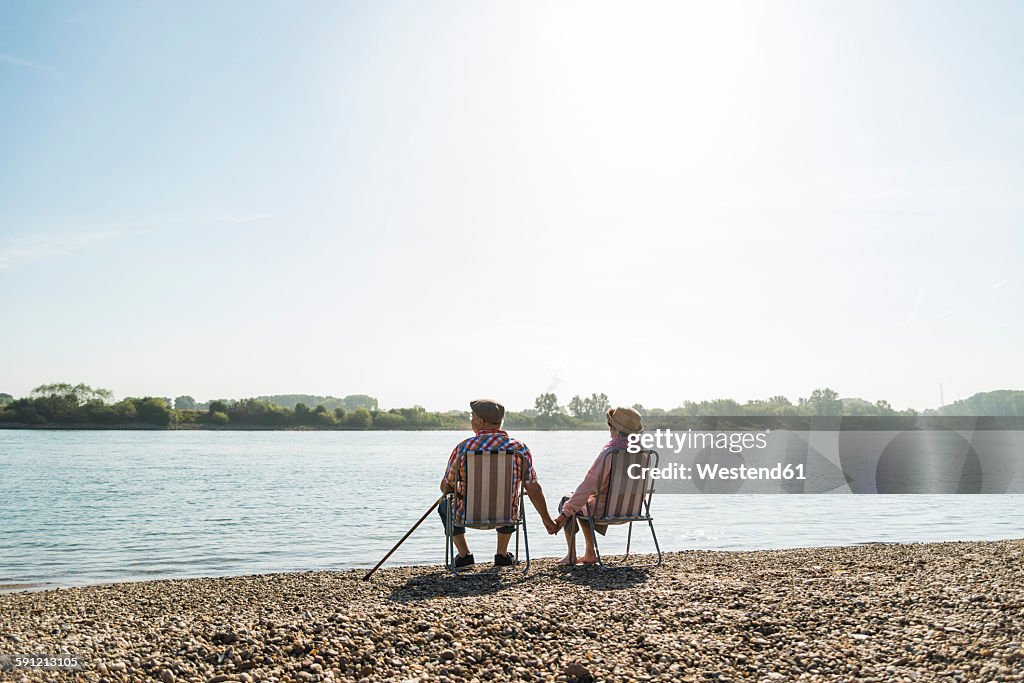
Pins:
x,y
450,547
449,559
593,534
517,542
656,546
650,523
629,539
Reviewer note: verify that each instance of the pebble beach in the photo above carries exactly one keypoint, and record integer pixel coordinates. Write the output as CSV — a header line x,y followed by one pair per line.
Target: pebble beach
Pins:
x,y
919,612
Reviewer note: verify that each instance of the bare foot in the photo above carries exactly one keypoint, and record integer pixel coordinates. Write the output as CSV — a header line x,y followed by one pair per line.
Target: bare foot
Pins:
x,y
588,559
568,560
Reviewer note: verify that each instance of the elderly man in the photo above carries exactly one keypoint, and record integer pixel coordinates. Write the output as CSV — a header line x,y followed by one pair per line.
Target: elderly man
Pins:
x,y
589,495
487,417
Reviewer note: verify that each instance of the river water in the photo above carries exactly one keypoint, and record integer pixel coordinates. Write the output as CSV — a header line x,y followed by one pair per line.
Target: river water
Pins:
x,y
79,507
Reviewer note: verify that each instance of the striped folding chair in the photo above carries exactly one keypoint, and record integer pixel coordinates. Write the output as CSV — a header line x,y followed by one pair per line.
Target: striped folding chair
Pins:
x,y
491,497
627,498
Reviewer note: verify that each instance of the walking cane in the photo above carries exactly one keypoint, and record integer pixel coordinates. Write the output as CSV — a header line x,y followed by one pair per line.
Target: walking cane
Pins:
x,y
407,534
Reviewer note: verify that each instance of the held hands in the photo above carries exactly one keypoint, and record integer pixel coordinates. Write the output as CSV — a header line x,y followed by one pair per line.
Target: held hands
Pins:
x,y
557,524
549,524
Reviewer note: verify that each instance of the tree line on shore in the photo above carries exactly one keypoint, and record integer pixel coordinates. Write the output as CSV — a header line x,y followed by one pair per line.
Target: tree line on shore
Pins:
x,y
70,405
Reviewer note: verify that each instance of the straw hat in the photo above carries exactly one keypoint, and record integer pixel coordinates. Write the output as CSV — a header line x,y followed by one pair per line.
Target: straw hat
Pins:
x,y
625,420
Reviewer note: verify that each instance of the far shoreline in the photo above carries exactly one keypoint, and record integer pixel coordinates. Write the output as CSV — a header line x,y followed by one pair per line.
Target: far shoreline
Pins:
x,y
87,427
674,423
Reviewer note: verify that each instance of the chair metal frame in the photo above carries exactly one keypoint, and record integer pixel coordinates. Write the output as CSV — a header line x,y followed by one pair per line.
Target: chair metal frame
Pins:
x,y
645,504
518,496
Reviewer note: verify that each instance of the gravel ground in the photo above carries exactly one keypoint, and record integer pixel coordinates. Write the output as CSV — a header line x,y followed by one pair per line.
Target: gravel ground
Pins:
x,y
944,611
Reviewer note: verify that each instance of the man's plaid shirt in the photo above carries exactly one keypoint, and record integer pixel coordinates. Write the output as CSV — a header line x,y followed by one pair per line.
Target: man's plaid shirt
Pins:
x,y
487,440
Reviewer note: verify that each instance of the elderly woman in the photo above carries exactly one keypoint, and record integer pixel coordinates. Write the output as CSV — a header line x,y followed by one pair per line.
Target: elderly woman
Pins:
x,y
590,493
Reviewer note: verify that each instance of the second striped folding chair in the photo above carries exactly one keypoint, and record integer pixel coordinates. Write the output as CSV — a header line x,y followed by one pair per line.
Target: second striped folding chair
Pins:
x,y
627,498
491,497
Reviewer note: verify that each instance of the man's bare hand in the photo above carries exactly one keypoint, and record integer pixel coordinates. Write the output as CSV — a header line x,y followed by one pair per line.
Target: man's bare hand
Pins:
x,y
549,524
558,524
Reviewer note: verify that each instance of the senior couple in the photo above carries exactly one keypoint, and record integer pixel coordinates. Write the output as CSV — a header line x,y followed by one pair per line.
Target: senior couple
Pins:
x,y
487,418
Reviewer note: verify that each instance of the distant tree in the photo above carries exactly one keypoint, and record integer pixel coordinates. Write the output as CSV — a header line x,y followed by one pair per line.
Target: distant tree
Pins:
x,y
858,407
824,403
721,406
254,411
99,412
417,417
218,418
330,402
578,407
276,416
716,407
5,399
884,408
289,401
689,408
526,419
547,405
75,394
55,404
359,418
125,411
389,420
597,405
591,408
184,403
1003,402
23,411
323,417
154,411
773,405
218,406
303,415
354,401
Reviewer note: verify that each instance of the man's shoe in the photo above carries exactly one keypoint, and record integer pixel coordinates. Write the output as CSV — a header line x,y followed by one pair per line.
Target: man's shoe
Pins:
x,y
461,561
506,560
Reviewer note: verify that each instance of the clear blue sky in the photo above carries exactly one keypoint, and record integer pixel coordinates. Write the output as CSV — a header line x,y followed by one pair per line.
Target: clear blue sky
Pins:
x,y
430,201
